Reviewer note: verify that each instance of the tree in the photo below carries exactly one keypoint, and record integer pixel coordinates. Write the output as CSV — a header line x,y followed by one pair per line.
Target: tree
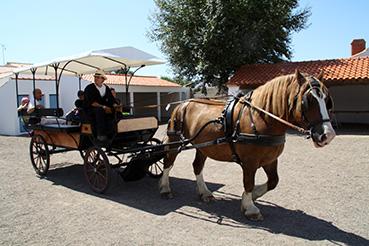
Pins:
x,y
177,80
207,40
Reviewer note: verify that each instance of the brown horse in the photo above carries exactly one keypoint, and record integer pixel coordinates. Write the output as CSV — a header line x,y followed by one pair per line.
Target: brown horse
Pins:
x,y
296,98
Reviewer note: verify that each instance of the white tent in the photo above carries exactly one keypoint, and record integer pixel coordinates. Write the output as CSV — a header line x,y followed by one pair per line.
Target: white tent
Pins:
x,y
89,62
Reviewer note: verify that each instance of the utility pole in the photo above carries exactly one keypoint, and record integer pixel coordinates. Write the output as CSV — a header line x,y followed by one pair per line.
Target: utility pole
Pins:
x,y
3,48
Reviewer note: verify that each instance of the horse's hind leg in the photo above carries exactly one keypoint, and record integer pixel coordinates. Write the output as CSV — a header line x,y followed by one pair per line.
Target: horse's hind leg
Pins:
x,y
198,166
272,174
164,186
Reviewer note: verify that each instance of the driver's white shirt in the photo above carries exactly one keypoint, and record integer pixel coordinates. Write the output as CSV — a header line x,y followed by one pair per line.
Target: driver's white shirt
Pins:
x,y
101,89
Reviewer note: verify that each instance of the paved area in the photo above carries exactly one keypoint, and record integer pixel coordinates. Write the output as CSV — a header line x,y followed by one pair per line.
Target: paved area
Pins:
x,y
322,199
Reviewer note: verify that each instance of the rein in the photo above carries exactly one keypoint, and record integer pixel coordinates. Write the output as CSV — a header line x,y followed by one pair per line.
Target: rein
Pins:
x,y
289,124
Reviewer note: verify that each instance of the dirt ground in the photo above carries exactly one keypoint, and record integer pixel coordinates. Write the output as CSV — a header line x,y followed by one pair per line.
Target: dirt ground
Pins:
x,y
322,199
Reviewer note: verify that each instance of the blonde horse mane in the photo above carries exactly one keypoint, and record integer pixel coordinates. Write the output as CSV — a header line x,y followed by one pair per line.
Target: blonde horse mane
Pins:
x,y
278,95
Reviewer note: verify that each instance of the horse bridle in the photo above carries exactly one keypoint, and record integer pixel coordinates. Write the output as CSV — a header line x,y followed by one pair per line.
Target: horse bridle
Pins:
x,y
314,87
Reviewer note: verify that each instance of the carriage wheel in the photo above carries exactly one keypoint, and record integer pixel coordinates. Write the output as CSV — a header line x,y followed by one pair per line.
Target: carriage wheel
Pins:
x,y
97,169
156,169
39,153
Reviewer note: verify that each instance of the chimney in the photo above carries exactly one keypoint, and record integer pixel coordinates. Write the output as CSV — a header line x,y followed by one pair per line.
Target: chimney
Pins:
x,y
357,45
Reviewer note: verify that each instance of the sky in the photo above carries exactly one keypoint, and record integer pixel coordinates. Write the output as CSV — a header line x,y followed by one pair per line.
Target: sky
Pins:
x,y
39,30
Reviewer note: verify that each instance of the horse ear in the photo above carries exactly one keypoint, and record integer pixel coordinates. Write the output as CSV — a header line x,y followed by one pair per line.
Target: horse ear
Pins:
x,y
320,76
299,77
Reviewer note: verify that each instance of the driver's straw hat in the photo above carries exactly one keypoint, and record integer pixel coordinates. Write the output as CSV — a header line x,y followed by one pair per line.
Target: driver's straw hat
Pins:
x,y
100,73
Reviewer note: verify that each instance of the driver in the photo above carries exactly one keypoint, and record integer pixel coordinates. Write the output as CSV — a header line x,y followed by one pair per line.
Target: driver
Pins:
x,y
99,103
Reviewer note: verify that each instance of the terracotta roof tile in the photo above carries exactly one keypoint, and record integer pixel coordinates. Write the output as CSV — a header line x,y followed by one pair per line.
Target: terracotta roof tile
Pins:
x,y
117,79
336,71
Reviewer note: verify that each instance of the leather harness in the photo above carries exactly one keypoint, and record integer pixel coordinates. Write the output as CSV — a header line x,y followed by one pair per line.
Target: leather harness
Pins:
x,y
232,130
232,134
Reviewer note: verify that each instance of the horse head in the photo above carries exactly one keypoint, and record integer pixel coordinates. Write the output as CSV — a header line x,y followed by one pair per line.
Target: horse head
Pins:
x,y
314,107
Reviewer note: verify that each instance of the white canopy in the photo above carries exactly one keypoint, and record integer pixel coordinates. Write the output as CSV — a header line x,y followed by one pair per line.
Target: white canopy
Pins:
x,y
86,63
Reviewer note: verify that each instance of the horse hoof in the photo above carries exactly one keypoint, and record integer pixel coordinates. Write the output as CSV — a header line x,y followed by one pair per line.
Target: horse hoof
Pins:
x,y
167,195
254,217
207,198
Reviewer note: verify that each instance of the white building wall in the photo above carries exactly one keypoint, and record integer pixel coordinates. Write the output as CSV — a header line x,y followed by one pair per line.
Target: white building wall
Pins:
x,y
9,125
8,110
69,86
68,89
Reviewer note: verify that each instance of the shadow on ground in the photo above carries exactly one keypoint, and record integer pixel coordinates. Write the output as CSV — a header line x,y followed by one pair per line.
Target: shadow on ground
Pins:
x,y
225,211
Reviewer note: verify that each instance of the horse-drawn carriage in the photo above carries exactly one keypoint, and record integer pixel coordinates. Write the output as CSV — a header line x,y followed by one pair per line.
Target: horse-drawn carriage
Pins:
x,y
136,152
249,130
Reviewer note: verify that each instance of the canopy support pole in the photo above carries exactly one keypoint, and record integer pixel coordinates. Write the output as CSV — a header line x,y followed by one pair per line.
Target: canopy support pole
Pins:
x,y
33,71
79,82
57,82
128,81
16,88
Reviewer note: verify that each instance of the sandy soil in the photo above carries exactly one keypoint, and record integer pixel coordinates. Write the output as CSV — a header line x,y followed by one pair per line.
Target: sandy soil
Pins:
x,y
322,199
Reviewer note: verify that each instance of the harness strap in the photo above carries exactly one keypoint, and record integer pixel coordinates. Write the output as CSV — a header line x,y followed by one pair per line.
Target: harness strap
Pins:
x,y
265,140
297,128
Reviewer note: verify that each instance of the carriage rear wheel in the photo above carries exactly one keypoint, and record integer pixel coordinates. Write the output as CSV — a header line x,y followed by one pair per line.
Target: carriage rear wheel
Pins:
x,y
156,169
40,156
97,169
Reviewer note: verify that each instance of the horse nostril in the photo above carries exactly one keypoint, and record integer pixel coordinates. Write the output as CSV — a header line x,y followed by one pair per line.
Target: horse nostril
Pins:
x,y
324,137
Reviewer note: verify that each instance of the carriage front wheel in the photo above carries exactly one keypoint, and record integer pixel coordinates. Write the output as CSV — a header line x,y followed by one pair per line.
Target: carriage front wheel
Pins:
x,y
97,169
40,156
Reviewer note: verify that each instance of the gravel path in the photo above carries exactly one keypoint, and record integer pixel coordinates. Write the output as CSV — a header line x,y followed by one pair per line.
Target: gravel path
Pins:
x,y
322,199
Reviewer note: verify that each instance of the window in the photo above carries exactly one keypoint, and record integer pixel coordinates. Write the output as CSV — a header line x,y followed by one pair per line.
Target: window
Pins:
x,y
52,101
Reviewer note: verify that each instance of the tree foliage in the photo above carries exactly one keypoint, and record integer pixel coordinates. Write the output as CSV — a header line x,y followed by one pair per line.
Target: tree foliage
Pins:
x,y
177,80
207,40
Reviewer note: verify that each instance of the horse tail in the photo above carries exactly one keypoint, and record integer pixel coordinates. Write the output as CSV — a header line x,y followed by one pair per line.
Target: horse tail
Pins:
x,y
176,119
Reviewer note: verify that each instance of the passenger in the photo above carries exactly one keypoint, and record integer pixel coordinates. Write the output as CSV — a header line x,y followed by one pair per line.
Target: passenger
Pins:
x,y
79,102
23,108
37,96
74,116
24,104
117,100
99,103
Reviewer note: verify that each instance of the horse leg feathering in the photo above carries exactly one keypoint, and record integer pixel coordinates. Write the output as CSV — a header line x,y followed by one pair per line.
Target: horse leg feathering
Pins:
x,y
198,166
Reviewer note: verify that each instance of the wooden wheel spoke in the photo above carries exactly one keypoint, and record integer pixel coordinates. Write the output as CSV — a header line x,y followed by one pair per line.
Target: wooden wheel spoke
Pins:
x,y
90,165
97,169
94,179
39,153
101,174
158,166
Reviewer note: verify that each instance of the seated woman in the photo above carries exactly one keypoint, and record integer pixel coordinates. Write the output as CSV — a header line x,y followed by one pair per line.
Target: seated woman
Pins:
x,y
23,110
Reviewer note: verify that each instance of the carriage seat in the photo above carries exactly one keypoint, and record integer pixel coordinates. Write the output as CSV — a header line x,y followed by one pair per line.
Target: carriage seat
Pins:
x,y
57,128
137,124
